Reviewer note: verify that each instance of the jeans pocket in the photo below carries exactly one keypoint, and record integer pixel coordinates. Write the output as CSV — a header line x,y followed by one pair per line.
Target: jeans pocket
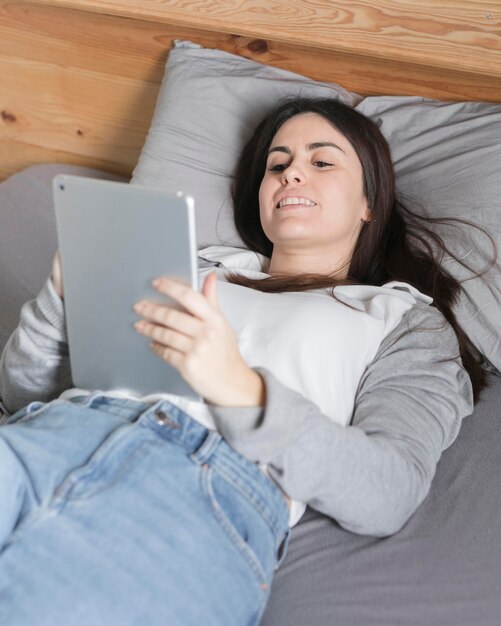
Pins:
x,y
243,524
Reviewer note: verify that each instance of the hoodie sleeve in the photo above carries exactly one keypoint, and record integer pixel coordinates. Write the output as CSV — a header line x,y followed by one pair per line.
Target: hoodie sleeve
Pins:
x,y
35,361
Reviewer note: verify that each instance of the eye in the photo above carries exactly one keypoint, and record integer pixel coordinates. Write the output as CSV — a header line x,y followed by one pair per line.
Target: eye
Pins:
x,y
322,164
278,167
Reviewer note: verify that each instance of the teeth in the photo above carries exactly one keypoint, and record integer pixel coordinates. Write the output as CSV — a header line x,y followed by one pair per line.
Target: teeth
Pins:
x,y
291,200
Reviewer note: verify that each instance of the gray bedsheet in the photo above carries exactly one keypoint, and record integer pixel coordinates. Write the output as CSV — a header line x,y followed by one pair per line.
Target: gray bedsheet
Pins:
x,y
442,569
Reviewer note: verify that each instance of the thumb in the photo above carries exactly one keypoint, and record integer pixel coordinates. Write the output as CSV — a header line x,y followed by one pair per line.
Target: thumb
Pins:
x,y
57,275
209,289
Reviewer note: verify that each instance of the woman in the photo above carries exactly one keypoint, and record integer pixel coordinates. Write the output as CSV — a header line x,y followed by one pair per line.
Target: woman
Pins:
x,y
312,358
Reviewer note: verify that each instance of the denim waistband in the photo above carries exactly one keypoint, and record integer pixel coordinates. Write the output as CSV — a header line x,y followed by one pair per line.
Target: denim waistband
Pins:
x,y
129,409
205,447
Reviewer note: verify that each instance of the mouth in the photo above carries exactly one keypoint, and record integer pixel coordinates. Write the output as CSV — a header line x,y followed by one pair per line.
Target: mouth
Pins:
x,y
294,201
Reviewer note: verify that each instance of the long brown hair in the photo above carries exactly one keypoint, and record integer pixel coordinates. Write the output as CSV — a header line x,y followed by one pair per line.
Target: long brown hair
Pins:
x,y
397,244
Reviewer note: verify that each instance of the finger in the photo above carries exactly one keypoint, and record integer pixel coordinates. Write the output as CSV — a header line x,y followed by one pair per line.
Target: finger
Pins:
x,y
57,275
209,289
164,336
169,355
169,317
194,302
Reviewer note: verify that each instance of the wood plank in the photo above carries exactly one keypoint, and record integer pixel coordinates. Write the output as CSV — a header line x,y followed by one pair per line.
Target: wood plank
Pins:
x,y
369,76
138,50
435,33
22,155
79,112
88,41
80,87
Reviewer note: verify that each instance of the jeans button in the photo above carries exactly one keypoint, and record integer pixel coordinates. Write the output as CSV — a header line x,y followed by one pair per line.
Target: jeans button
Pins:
x,y
163,419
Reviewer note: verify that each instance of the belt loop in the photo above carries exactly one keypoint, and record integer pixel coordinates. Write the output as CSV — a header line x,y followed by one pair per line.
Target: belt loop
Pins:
x,y
208,446
90,399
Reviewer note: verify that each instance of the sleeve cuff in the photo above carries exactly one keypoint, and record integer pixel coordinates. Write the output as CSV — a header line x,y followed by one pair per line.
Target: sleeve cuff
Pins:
x,y
52,307
262,433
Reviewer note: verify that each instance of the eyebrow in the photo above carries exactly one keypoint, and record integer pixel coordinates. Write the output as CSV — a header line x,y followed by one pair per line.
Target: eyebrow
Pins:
x,y
311,146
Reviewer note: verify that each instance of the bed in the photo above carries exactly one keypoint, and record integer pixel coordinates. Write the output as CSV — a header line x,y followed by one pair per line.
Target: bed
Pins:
x,y
122,89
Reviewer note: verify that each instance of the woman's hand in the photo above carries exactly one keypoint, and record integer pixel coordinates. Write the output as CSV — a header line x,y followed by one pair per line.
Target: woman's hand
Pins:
x,y
200,344
56,275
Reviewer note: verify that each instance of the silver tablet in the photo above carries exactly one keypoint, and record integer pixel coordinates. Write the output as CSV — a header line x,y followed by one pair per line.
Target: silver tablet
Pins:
x,y
115,238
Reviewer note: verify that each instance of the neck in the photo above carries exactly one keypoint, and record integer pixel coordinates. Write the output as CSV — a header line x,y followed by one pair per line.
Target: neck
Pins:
x,y
284,263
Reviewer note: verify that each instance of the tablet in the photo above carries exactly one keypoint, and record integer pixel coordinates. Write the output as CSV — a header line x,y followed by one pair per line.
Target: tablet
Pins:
x,y
115,238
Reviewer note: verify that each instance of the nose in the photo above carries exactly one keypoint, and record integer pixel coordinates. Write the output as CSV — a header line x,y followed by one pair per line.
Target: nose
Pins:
x,y
293,174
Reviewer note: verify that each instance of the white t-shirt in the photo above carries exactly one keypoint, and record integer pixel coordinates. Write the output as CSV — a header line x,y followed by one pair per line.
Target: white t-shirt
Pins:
x,y
313,342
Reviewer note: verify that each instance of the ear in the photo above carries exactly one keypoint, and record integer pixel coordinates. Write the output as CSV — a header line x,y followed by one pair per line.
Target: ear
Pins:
x,y
366,213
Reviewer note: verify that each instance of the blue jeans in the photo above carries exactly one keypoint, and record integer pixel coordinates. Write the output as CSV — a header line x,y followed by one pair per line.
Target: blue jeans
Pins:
x,y
116,512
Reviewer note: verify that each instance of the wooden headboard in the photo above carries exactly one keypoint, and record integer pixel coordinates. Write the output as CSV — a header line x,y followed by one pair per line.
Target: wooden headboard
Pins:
x,y
79,78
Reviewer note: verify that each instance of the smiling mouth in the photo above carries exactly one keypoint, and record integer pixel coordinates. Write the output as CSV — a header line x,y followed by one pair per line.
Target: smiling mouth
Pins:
x,y
294,201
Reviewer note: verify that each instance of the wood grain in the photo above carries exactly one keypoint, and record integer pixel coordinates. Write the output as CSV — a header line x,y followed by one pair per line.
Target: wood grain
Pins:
x,y
435,33
80,86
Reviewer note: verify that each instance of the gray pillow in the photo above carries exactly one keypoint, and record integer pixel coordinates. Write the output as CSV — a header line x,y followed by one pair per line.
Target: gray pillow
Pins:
x,y
446,156
208,105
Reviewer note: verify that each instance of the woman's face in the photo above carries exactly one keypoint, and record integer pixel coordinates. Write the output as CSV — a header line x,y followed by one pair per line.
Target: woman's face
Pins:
x,y
311,195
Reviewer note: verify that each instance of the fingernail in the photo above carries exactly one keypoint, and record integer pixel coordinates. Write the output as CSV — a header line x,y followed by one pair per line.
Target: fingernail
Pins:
x,y
156,283
139,306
